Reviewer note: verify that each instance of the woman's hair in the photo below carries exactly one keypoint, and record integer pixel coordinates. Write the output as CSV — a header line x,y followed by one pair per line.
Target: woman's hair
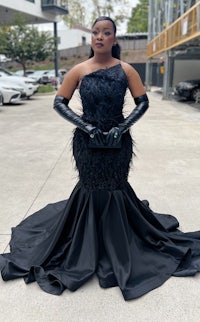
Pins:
x,y
116,50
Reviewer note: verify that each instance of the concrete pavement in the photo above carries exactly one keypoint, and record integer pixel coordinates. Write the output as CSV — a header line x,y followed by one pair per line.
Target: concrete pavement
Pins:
x,y
36,168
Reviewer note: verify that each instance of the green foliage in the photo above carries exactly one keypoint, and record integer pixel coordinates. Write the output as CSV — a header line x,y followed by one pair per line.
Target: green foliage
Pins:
x,y
124,54
46,65
46,89
139,18
106,8
79,13
24,43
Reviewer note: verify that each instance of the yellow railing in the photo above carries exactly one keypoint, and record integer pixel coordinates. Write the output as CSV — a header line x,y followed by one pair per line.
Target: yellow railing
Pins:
x,y
185,28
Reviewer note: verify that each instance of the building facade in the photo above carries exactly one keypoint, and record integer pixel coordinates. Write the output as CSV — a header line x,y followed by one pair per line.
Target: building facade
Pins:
x,y
34,11
173,36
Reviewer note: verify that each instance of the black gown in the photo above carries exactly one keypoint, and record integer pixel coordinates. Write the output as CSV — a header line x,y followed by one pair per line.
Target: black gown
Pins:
x,y
103,228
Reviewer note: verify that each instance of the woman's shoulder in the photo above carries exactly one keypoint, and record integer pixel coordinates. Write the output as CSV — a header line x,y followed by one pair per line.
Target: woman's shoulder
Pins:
x,y
81,69
128,69
76,69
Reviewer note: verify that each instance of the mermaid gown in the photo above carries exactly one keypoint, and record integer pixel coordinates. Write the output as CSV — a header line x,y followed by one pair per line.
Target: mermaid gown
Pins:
x,y
103,228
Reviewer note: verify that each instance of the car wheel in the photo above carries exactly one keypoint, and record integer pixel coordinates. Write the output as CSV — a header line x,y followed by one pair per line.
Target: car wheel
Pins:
x,y
196,94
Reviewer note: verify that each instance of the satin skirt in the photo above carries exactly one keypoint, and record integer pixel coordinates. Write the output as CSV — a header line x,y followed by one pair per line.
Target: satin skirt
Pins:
x,y
108,233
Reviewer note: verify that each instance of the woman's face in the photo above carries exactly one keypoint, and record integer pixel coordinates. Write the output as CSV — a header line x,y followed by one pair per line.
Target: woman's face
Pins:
x,y
103,36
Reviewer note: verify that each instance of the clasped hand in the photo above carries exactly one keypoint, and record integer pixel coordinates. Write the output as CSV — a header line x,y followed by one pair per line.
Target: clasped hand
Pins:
x,y
107,139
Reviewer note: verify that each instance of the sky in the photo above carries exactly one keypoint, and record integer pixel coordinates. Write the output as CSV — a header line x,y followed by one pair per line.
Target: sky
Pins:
x,y
121,29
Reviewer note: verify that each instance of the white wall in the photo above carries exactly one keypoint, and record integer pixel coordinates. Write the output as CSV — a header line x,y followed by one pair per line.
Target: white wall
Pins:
x,y
70,38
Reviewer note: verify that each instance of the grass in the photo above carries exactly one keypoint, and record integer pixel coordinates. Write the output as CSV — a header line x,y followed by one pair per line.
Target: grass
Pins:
x,y
46,89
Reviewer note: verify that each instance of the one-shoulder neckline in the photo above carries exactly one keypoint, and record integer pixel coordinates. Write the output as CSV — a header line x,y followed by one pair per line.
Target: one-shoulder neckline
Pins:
x,y
98,70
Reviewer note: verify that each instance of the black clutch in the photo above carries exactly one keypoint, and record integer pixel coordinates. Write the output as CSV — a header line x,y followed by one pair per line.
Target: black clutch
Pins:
x,y
92,144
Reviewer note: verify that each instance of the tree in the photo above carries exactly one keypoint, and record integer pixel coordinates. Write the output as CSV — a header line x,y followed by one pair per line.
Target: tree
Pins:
x,y
79,13
76,14
108,8
23,43
139,18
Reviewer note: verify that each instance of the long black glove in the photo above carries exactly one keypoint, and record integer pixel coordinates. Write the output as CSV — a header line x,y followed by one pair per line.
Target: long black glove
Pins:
x,y
114,135
61,106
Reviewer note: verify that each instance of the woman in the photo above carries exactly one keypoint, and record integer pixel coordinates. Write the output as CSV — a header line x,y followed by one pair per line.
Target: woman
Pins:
x,y
103,228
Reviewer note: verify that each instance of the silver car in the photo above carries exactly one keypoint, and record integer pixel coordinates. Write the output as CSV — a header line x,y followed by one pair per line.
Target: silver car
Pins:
x,y
40,76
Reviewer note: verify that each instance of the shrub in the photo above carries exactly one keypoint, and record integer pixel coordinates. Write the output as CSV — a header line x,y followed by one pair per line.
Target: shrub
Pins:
x,y
46,89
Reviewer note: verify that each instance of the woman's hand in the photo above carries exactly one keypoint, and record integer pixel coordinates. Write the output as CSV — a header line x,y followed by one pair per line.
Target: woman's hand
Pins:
x,y
96,136
105,140
113,137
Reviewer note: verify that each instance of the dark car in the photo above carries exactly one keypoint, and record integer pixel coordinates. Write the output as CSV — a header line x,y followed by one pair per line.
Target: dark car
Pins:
x,y
189,90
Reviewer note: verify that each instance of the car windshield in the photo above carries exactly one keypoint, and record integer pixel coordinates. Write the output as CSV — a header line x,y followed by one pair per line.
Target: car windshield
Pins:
x,y
39,72
51,72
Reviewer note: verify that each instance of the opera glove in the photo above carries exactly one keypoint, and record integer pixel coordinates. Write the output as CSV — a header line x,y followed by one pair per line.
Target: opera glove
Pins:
x,y
61,106
96,138
113,137
142,104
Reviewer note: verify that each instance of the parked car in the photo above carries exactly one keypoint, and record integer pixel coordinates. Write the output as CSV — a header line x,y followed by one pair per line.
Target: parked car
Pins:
x,y
189,89
10,95
1,99
53,79
40,76
29,85
4,59
62,72
20,72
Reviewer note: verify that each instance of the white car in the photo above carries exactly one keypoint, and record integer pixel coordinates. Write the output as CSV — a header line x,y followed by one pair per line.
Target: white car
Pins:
x,y
12,93
4,59
9,95
1,99
20,72
30,86
40,76
53,79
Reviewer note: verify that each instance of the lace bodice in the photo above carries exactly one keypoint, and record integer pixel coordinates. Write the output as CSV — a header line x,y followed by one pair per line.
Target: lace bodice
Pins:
x,y
102,93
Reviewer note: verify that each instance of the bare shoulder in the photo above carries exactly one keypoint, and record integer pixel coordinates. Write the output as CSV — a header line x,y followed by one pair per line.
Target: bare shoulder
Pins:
x,y
129,70
81,69
76,73
73,78
76,70
71,81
